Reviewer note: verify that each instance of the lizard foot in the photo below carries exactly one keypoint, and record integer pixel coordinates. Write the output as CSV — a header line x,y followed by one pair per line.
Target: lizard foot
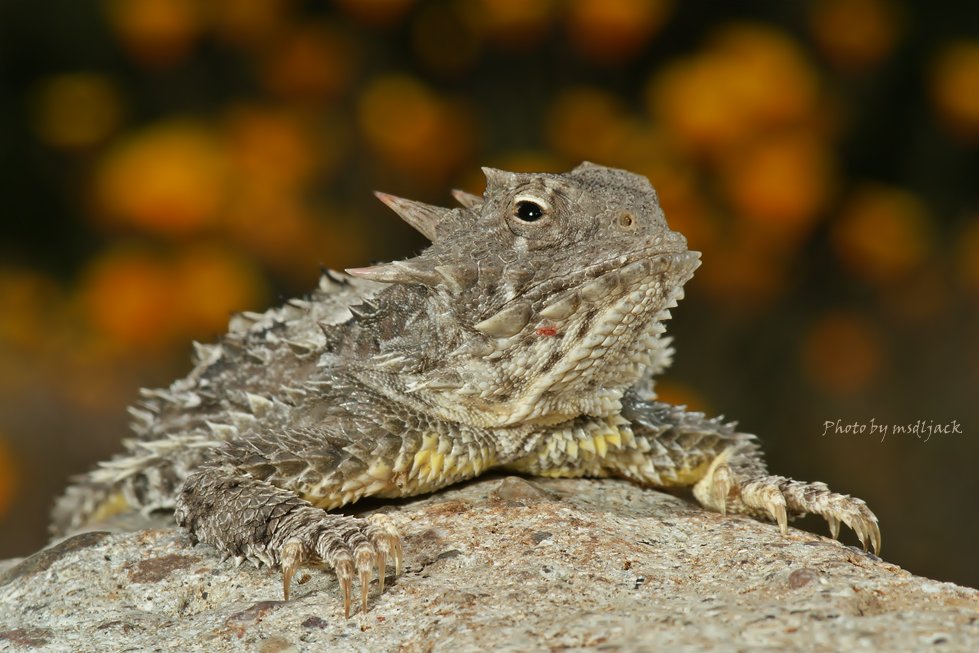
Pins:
x,y
350,545
778,497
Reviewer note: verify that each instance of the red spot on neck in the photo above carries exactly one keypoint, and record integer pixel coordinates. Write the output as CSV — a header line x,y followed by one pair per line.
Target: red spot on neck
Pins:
x,y
547,331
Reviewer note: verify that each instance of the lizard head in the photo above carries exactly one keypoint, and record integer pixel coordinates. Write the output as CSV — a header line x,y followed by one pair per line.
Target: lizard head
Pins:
x,y
543,300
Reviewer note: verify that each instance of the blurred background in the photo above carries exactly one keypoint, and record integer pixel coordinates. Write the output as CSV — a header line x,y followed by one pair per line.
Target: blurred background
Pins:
x,y
164,163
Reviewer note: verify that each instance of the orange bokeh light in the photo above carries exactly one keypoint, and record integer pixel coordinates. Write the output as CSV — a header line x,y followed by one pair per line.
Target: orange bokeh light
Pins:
x,y
855,34
517,25
138,297
310,64
955,88
882,233
376,12
749,79
9,477
270,148
580,111
414,130
77,110
612,31
127,296
211,283
171,179
157,32
780,182
841,353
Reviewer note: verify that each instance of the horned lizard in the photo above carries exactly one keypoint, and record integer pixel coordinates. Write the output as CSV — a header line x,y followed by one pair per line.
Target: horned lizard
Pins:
x,y
525,338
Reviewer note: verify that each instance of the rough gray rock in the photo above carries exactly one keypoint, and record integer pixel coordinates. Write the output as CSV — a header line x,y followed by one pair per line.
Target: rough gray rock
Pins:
x,y
511,565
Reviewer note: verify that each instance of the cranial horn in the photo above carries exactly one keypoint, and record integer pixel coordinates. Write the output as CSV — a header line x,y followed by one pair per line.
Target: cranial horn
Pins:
x,y
586,165
498,178
468,200
399,272
421,216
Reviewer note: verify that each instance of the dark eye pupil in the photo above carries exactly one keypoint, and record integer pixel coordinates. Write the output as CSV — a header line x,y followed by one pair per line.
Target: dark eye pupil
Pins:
x,y
529,211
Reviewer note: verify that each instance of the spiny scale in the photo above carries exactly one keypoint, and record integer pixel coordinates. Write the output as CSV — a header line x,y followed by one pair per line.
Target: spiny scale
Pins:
x,y
423,217
467,200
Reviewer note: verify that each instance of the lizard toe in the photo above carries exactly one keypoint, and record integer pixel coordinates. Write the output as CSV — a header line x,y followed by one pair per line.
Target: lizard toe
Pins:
x,y
351,546
344,568
764,494
383,534
290,559
364,558
802,498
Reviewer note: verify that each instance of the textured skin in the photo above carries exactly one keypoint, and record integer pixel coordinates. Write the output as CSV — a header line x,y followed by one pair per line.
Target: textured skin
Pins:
x,y
525,338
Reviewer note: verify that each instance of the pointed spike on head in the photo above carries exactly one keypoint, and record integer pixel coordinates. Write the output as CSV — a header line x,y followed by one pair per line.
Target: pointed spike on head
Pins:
x,y
585,165
498,179
467,200
423,217
398,272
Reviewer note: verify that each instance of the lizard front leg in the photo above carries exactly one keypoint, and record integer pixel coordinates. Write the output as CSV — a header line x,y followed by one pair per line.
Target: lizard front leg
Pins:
x,y
265,498
662,446
251,519
725,468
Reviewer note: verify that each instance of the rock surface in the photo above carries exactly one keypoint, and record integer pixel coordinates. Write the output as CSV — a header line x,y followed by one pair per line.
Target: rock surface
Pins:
x,y
500,564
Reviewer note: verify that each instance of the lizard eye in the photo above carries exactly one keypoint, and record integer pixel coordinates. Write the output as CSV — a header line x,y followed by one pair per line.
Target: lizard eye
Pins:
x,y
531,216
528,211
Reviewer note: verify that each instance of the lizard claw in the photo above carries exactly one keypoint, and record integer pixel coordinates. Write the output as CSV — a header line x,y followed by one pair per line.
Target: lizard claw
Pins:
x,y
387,544
835,508
291,559
365,569
350,545
863,523
766,496
779,497
344,570
721,486
834,526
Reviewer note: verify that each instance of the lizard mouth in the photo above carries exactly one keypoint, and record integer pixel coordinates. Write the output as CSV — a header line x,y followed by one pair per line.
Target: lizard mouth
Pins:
x,y
604,284
629,282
